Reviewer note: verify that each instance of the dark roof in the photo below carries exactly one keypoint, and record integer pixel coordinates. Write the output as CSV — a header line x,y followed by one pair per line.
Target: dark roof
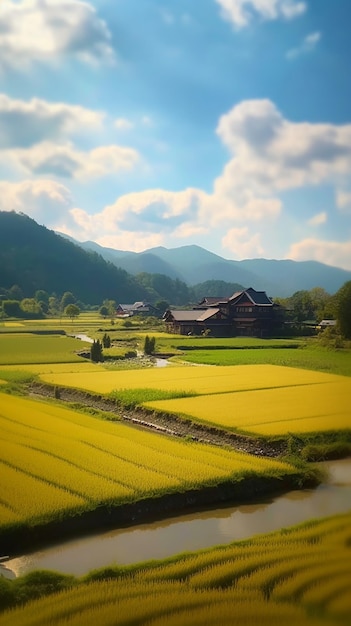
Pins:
x,y
256,297
183,316
194,315
213,300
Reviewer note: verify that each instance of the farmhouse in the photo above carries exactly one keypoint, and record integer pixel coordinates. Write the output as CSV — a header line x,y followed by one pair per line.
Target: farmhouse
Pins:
x,y
245,313
138,308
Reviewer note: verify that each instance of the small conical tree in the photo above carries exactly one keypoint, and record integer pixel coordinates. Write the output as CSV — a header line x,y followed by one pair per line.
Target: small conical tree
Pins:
x,y
106,341
96,354
147,345
152,344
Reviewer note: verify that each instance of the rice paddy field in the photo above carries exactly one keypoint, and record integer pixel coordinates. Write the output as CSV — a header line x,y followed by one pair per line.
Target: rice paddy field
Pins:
x,y
266,400
295,576
56,462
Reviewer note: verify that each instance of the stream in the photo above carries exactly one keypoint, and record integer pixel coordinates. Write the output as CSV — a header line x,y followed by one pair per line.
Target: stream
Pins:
x,y
193,531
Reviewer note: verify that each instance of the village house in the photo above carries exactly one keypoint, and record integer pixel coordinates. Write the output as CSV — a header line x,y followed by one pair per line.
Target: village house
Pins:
x,y
248,313
138,308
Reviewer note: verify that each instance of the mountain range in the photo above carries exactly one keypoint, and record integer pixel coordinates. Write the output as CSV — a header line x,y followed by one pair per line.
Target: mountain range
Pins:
x,y
193,264
36,258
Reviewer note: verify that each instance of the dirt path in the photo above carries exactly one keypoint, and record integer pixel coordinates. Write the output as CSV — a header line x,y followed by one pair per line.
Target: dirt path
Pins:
x,y
163,423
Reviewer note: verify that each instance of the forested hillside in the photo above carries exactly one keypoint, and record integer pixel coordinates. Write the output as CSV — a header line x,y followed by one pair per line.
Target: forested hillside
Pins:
x,y
33,257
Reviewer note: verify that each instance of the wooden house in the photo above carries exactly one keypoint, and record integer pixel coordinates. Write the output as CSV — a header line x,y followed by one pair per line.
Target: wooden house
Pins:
x,y
138,308
246,313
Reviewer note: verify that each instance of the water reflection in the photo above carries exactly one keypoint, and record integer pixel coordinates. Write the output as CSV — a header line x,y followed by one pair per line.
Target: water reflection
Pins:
x,y
194,531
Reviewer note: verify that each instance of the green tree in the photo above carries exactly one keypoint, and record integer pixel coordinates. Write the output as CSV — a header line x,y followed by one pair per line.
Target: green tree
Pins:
x,y
106,341
96,353
30,306
149,345
320,300
343,310
42,296
103,310
54,305
111,307
301,306
161,306
67,298
72,311
12,308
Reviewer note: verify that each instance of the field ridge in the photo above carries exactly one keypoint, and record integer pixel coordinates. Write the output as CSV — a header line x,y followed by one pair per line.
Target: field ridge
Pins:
x,y
168,424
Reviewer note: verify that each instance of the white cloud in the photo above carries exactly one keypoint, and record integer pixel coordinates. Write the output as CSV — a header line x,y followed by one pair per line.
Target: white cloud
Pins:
x,y
318,219
308,44
94,227
44,30
44,200
156,209
272,154
343,201
134,241
269,154
66,161
242,244
241,12
123,123
335,253
23,123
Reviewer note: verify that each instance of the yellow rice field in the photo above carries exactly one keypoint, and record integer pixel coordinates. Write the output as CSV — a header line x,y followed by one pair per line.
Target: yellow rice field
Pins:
x,y
259,399
297,576
279,411
202,380
56,461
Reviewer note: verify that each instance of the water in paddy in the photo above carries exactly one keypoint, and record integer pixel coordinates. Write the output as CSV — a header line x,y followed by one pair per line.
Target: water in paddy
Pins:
x,y
194,531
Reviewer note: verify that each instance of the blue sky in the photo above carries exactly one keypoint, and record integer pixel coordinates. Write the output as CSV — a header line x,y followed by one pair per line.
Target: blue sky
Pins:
x,y
143,123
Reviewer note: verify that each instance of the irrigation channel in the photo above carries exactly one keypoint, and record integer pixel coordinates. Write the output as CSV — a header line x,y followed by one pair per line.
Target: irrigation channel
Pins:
x,y
194,531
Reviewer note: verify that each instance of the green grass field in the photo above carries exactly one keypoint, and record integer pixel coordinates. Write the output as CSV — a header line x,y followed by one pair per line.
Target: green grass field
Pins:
x,y
307,357
28,348
297,576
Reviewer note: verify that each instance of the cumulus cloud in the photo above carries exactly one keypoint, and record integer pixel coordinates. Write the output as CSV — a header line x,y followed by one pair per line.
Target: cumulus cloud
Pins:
x,y
241,12
343,201
45,200
318,219
272,154
23,123
66,161
308,44
44,30
268,155
154,209
95,227
242,244
335,253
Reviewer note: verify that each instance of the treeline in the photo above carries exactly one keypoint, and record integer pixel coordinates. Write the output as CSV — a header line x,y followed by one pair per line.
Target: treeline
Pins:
x,y
316,304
